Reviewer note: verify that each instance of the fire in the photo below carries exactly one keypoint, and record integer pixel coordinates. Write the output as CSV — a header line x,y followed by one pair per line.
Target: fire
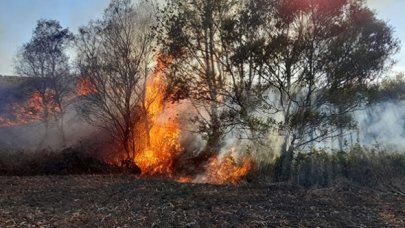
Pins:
x,y
228,169
36,109
158,133
158,149
84,87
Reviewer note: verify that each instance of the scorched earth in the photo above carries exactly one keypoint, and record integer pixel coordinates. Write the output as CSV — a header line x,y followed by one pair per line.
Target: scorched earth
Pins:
x,y
128,201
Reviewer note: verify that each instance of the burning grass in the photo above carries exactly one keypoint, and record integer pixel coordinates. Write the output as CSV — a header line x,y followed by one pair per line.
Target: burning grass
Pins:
x,y
157,138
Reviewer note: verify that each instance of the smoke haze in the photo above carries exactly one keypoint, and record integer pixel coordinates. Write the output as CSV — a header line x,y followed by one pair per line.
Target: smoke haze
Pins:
x,y
384,125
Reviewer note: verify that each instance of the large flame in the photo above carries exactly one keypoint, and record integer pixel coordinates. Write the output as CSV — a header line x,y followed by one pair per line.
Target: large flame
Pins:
x,y
157,156
164,148
157,133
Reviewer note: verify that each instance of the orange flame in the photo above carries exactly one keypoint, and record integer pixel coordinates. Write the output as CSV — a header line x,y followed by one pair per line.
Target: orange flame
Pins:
x,y
157,133
34,110
157,156
229,169
84,87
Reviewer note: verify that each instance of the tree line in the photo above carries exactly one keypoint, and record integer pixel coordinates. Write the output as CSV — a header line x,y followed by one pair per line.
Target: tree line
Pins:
x,y
250,68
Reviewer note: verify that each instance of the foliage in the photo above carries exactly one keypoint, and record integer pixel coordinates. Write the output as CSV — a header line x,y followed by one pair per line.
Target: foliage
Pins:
x,y
44,58
297,67
390,89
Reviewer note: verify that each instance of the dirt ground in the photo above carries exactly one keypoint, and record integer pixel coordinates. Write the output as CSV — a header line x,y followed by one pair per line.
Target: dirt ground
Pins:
x,y
128,201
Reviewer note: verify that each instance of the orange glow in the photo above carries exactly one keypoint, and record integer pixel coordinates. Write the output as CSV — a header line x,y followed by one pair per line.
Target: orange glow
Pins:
x,y
34,110
157,138
84,87
157,155
227,170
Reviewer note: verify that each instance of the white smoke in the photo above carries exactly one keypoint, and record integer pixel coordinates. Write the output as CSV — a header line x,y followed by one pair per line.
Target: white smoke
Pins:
x,y
382,124
49,136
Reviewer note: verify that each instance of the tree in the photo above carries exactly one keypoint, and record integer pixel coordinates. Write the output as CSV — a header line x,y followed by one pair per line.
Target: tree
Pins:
x,y
116,57
298,68
44,58
192,37
318,56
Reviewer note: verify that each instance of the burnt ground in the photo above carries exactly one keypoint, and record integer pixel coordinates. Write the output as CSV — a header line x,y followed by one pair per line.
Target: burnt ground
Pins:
x,y
127,201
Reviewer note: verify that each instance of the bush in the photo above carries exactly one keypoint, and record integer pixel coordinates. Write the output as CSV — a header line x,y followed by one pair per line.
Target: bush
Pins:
x,y
68,162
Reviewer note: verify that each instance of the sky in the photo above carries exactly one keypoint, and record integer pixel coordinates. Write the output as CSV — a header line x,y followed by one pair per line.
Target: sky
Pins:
x,y
18,18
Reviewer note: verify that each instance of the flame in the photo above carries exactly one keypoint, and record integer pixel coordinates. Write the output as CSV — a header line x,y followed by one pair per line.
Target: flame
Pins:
x,y
158,155
32,111
84,87
228,169
157,136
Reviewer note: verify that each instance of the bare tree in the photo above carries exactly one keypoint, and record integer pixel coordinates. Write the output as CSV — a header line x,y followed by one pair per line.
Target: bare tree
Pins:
x,y
116,57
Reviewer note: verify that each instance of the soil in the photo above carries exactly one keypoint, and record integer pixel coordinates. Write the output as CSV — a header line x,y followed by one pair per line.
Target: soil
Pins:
x,y
130,201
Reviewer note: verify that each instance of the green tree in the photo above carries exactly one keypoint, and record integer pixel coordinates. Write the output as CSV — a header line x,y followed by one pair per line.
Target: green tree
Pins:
x,y
44,58
192,37
318,55
298,68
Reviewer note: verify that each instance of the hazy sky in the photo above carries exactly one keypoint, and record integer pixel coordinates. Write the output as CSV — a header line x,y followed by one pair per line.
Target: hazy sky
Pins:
x,y
19,17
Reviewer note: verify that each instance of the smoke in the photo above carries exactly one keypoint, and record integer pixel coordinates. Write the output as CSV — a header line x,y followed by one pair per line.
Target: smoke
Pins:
x,y
22,130
383,124
46,135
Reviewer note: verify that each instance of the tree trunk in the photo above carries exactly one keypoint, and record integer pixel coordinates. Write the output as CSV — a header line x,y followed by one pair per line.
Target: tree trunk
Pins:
x,y
283,166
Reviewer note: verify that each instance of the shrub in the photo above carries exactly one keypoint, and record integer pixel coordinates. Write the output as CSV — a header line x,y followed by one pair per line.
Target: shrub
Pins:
x,y
68,162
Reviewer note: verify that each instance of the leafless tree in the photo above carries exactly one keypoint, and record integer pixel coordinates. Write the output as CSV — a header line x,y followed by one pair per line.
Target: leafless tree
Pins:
x,y
116,56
